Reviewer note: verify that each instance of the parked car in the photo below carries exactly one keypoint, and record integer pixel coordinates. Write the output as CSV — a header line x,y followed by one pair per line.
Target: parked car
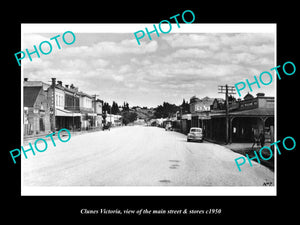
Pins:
x,y
195,134
106,126
168,127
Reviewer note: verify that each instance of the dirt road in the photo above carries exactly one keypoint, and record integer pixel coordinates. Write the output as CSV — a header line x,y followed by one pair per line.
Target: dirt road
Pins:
x,y
139,155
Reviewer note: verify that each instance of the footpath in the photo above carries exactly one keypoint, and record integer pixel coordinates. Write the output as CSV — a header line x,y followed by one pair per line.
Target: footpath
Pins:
x,y
246,148
31,138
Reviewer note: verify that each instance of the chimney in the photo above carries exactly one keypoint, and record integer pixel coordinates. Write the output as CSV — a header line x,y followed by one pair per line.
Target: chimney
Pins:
x,y
67,86
26,79
59,82
260,94
53,81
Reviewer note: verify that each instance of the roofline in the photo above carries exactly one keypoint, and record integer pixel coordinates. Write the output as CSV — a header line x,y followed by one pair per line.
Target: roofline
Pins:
x,y
270,97
37,83
84,94
70,90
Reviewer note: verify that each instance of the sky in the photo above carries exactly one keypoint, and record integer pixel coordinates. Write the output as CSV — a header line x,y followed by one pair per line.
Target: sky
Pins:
x,y
168,68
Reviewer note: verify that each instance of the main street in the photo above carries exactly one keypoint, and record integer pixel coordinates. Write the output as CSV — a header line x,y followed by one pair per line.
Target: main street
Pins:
x,y
138,155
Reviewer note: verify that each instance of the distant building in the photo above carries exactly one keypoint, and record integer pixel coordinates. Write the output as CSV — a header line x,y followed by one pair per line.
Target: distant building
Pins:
x,y
98,104
158,121
114,120
139,121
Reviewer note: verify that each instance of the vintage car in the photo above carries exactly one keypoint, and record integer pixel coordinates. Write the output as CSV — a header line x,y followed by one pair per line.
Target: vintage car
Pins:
x,y
169,127
106,126
195,134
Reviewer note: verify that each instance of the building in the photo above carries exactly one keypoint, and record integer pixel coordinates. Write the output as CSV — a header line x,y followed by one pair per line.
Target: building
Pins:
x,y
247,118
88,117
200,110
98,104
64,106
158,122
36,108
254,115
114,120
186,123
48,108
71,108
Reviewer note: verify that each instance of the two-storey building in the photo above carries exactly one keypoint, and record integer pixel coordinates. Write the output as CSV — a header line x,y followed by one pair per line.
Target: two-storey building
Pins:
x,y
48,108
64,106
88,117
200,110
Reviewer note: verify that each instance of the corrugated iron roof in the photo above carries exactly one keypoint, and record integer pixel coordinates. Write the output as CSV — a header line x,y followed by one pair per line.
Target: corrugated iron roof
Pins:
x,y
255,112
36,84
245,113
30,95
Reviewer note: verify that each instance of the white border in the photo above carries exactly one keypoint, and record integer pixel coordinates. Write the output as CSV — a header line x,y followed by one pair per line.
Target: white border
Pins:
x,y
151,190
134,27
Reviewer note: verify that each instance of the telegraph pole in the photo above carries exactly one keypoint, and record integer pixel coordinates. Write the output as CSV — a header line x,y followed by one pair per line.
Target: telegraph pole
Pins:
x,y
53,125
94,97
226,90
95,108
74,108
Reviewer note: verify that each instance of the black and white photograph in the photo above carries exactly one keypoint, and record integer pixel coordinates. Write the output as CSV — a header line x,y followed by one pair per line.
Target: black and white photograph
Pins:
x,y
143,117
181,111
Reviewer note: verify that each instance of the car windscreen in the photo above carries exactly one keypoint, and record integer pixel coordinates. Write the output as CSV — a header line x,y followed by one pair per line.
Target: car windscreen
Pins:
x,y
196,130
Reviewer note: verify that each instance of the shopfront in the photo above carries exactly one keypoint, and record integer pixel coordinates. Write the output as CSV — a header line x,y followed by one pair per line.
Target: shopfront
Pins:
x,y
67,119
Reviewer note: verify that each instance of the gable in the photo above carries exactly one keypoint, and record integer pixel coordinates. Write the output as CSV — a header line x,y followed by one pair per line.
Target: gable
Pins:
x,y
30,95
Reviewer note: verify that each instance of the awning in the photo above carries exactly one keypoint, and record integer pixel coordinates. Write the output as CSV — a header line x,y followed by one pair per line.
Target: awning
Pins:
x,y
247,113
61,112
186,116
204,117
254,112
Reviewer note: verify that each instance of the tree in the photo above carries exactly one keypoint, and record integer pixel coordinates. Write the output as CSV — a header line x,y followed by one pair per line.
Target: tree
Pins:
x,y
106,107
128,117
185,106
105,111
125,106
165,110
231,98
115,108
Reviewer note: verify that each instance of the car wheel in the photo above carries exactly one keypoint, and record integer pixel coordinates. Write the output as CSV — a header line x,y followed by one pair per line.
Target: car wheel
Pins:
x,y
188,140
